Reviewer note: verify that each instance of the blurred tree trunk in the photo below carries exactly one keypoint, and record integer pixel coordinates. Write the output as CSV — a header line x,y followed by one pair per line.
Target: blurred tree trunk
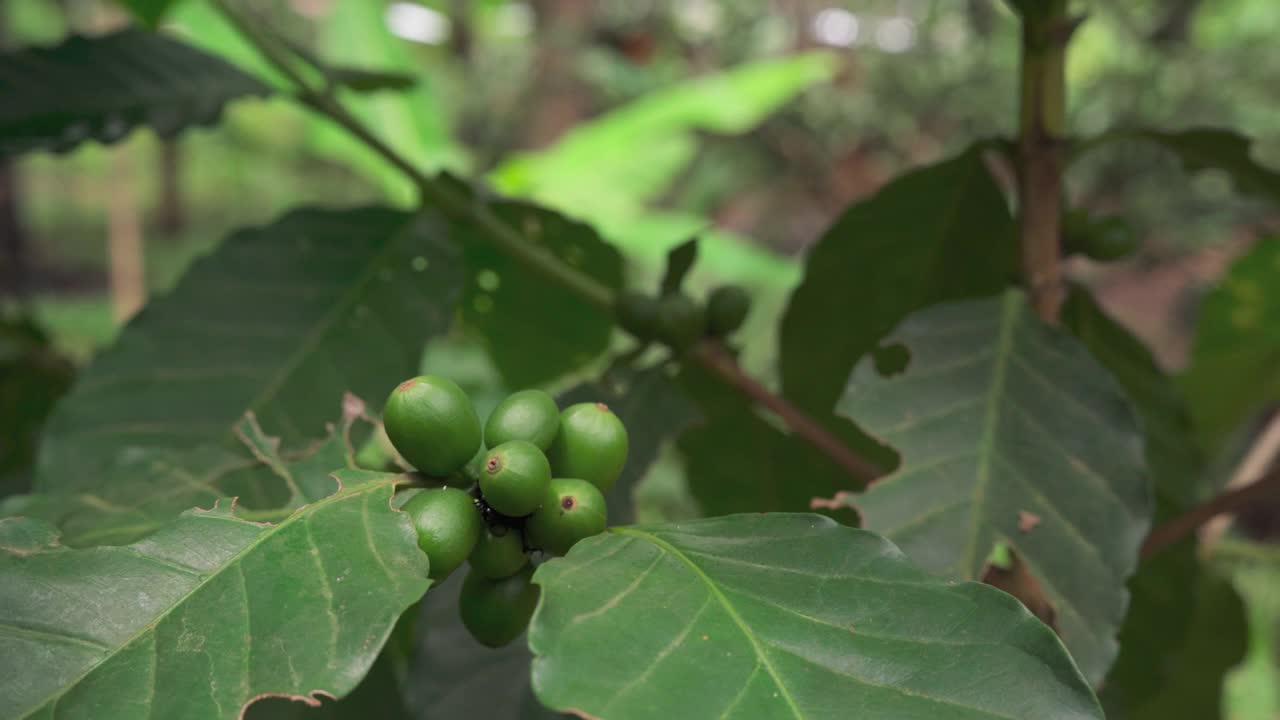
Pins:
x,y
172,210
461,37
560,98
14,279
124,237
1175,28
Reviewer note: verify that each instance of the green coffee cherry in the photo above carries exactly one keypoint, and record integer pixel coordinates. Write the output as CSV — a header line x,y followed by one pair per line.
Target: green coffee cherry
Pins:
x,y
574,509
1110,239
637,313
495,612
515,478
681,321
432,424
727,309
591,445
529,415
448,525
497,556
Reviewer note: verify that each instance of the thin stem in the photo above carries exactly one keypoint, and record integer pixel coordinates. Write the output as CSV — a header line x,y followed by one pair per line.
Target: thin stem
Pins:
x,y
1232,501
713,355
710,354
1040,142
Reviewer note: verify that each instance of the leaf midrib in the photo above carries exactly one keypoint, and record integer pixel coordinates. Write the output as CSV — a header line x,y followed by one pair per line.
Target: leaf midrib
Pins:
x,y
990,420
233,561
761,655
312,339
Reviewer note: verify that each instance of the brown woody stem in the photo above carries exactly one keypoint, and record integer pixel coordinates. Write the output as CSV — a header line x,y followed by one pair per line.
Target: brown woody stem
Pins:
x,y
1040,146
1231,501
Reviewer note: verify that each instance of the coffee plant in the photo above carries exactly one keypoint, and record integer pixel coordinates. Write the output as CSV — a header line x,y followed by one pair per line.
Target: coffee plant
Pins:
x,y
970,494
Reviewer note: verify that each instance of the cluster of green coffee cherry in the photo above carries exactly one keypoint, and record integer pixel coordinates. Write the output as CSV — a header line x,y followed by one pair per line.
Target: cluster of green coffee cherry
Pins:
x,y
538,487
677,320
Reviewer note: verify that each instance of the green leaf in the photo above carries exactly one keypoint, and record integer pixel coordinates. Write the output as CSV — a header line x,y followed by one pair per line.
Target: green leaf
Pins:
x,y
109,85
279,321
624,158
1167,668
737,461
453,675
32,378
149,12
1217,149
367,81
680,260
1185,631
1010,432
1234,370
1174,456
207,614
785,616
536,329
938,233
381,694
147,489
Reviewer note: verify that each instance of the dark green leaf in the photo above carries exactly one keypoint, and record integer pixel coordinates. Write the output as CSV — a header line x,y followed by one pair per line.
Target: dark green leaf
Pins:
x,y
1185,630
382,694
1218,149
364,81
680,260
1010,432
939,233
107,86
207,614
32,378
280,321
1173,454
1168,667
1235,361
736,461
147,489
453,675
149,12
535,328
785,616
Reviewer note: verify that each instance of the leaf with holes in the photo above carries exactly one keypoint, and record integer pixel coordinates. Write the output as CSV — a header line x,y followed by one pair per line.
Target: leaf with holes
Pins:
x,y
457,677
148,489
207,614
536,329
109,85
938,233
1010,432
279,321
785,616
1234,371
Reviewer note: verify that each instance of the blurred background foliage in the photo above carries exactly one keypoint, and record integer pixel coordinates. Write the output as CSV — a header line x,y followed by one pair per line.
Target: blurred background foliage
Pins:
x,y
752,123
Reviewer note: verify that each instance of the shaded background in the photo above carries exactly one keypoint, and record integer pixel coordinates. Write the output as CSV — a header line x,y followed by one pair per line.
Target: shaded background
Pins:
x,y
754,121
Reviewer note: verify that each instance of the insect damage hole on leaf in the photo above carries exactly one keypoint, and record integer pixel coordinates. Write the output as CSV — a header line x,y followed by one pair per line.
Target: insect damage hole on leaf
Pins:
x,y
1006,570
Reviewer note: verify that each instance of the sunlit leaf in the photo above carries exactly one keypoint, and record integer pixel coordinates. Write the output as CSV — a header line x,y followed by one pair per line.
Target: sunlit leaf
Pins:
x,y
785,616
